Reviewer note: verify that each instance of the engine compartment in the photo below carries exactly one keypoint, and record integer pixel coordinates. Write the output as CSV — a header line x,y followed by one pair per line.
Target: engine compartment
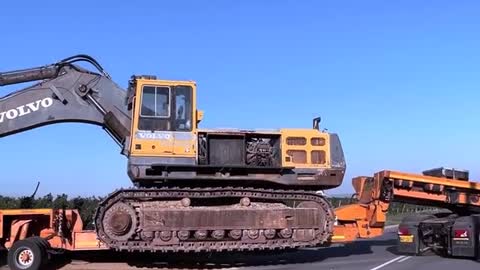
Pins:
x,y
239,149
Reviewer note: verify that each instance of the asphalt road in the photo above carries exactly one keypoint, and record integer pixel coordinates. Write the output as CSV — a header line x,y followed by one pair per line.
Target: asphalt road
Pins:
x,y
373,254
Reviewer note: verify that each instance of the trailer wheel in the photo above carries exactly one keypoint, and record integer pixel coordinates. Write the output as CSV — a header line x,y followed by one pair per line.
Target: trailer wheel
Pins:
x,y
44,246
26,254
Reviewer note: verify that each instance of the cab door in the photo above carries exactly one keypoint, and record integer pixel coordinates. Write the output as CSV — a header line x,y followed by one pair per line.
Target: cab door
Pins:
x,y
184,128
163,123
153,129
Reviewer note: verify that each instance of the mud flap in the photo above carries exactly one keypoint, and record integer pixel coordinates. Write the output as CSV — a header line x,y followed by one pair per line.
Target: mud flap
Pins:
x,y
409,241
464,237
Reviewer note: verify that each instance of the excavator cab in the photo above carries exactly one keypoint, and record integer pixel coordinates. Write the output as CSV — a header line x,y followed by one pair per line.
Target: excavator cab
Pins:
x,y
164,121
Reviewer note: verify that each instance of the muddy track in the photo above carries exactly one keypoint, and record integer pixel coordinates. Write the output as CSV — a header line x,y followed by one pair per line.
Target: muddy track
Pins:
x,y
143,205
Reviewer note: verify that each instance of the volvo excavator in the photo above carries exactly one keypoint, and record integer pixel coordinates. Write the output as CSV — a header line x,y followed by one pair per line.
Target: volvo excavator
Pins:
x,y
199,190
193,189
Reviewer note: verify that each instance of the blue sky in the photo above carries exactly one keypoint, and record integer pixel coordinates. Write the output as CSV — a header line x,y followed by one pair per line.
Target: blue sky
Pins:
x,y
398,81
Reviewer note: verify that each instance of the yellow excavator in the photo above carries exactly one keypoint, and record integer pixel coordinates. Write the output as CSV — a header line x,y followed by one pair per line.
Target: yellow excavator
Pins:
x,y
194,189
201,190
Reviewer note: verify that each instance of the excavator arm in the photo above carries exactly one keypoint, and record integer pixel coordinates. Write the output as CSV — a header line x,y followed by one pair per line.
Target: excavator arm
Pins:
x,y
66,93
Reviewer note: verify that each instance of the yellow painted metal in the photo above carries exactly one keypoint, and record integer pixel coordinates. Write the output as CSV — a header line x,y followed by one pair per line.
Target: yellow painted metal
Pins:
x,y
169,145
308,148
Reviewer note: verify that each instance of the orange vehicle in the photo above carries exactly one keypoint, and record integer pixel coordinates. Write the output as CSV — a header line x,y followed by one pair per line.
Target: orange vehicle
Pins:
x,y
31,235
453,232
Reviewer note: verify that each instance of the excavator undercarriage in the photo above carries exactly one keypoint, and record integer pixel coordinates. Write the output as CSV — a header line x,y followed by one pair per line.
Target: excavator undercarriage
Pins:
x,y
213,219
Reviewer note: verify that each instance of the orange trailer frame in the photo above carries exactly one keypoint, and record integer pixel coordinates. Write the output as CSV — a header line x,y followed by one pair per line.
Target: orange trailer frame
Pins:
x,y
367,217
19,224
63,229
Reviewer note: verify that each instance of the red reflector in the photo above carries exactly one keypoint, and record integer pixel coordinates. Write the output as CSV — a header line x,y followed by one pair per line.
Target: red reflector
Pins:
x,y
403,231
460,233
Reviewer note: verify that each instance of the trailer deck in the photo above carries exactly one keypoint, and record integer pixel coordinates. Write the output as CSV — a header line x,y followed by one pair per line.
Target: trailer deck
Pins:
x,y
29,232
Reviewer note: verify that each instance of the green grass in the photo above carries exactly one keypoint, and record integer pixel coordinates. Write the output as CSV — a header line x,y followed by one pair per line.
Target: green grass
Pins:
x,y
396,219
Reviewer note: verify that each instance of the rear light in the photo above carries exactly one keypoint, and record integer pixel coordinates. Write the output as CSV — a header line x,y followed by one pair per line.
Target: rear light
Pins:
x,y
403,231
460,233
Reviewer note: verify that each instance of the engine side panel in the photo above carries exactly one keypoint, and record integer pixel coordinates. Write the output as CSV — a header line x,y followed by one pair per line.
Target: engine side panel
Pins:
x,y
261,158
240,149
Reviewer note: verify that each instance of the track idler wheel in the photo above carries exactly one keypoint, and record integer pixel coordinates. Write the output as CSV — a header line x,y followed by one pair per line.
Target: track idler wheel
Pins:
x,y
120,222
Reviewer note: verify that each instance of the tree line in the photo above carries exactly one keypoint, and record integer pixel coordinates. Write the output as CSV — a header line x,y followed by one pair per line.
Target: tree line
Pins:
x,y
85,205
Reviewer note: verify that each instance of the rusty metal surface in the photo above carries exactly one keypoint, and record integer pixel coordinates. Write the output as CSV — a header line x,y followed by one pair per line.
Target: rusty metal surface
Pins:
x,y
182,219
209,218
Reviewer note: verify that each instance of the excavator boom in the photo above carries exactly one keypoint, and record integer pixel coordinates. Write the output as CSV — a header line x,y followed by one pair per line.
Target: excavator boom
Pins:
x,y
67,93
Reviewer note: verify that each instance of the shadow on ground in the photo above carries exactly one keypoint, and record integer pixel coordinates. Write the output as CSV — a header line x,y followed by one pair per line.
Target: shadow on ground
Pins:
x,y
3,258
219,260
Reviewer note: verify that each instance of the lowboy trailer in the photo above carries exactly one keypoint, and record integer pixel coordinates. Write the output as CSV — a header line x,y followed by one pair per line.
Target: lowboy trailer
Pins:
x,y
31,235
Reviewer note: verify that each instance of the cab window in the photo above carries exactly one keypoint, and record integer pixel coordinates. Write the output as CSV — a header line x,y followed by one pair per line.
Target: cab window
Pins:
x,y
166,108
155,101
183,108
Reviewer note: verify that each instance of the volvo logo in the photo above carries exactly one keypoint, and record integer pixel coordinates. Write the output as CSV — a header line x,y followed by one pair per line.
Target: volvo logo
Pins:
x,y
154,135
26,109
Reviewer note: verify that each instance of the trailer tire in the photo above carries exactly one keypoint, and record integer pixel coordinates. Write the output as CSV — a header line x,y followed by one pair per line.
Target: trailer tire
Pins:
x,y
44,246
26,254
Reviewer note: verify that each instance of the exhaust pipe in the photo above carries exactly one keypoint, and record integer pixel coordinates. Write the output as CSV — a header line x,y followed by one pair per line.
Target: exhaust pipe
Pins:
x,y
316,123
